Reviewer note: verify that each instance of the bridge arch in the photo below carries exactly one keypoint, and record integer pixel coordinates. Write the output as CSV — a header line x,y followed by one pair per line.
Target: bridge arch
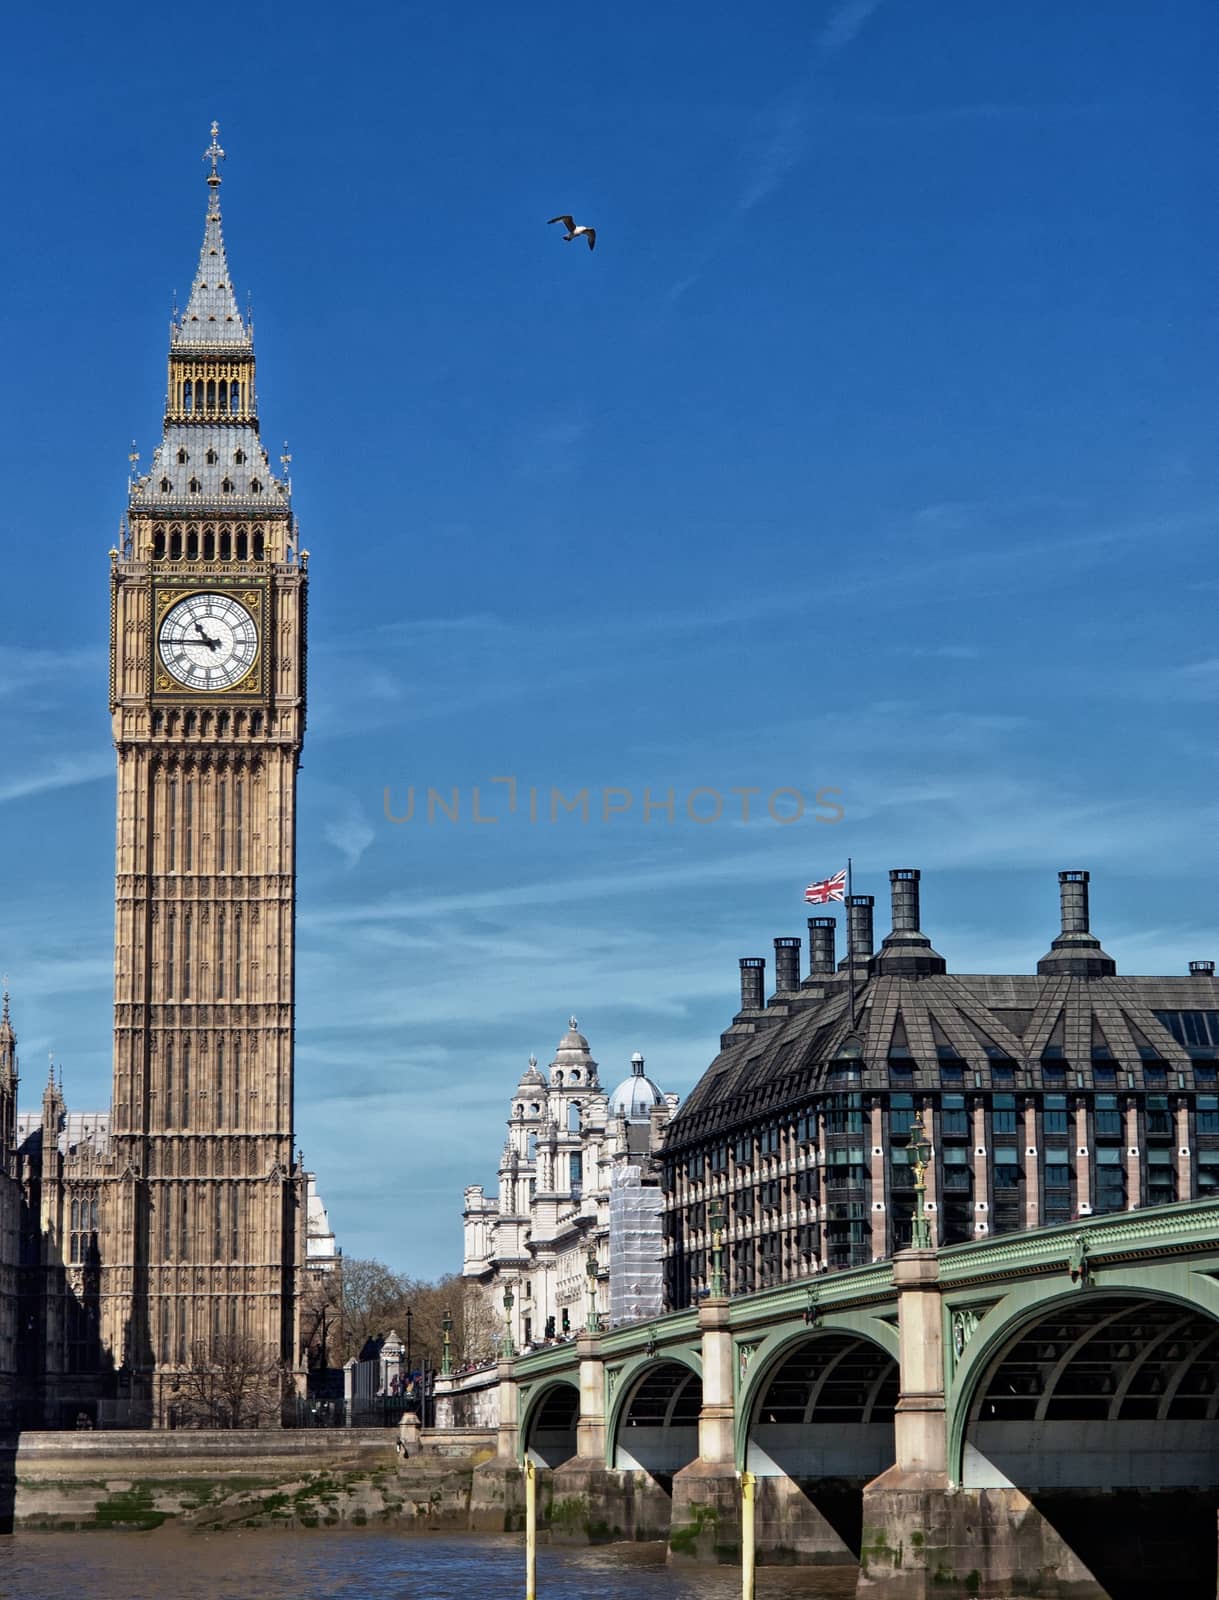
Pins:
x,y
653,1419
778,1347
815,1425
1099,1404
548,1423
1020,1310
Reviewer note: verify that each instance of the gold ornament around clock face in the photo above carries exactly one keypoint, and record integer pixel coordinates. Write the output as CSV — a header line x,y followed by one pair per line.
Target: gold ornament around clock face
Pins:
x,y
207,641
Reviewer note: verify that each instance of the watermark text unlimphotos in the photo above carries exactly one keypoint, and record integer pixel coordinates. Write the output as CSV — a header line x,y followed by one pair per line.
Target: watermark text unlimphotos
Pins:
x,y
548,803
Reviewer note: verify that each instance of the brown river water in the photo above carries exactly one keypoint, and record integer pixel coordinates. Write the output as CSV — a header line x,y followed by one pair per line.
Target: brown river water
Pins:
x,y
356,1565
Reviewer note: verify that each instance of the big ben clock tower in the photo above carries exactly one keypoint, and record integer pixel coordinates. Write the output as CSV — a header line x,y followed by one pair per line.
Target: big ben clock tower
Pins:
x,y
208,703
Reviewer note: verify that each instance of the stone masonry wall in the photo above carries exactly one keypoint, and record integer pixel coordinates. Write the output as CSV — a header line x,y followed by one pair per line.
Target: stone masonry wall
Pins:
x,y
213,1481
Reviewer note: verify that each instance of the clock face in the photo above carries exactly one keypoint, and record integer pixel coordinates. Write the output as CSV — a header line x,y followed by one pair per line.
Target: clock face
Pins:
x,y
208,641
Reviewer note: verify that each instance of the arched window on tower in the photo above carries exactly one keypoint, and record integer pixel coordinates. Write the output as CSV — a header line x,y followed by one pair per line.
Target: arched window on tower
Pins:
x,y
234,396
255,486
211,395
175,545
166,486
223,398
573,1119
194,486
211,457
226,486
239,457
226,545
182,458
258,546
192,545
242,545
209,544
158,545
188,395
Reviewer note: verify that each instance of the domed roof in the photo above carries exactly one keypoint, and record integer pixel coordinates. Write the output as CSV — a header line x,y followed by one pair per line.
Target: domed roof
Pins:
x,y
635,1096
572,1054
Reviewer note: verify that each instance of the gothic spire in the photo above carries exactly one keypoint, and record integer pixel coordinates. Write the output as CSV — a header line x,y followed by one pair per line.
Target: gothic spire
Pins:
x,y
211,316
8,1044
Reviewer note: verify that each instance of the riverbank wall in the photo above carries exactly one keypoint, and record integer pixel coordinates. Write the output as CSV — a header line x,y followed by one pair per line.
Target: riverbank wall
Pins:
x,y
217,1480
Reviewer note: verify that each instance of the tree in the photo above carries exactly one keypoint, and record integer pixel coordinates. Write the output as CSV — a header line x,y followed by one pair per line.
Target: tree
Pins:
x,y
321,1317
230,1383
480,1327
375,1301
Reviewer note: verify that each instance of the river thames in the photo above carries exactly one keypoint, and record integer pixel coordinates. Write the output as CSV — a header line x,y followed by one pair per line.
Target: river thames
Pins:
x,y
167,1565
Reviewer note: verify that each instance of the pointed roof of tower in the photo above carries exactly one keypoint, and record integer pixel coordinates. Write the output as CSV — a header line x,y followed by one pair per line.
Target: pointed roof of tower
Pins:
x,y
7,1035
211,316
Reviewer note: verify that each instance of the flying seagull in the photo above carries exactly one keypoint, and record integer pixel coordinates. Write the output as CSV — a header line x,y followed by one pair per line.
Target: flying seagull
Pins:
x,y
575,233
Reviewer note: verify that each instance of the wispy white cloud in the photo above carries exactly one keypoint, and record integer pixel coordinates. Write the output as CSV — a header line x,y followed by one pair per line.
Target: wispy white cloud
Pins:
x,y
844,22
65,773
23,667
945,652
777,153
551,448
349,831
784,143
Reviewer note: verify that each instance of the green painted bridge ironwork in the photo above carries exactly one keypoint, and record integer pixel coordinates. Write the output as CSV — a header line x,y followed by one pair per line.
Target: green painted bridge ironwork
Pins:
x,y
1028,1369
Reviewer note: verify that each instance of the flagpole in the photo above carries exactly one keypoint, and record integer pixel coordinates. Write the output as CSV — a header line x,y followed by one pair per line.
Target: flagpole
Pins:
x,y
850,943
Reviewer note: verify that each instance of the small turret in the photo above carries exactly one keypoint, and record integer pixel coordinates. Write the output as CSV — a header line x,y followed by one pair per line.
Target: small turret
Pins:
x,y
8,1086
53,1106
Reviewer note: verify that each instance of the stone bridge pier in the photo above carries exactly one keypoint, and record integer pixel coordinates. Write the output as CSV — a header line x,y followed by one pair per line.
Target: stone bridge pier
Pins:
x,y
600,1494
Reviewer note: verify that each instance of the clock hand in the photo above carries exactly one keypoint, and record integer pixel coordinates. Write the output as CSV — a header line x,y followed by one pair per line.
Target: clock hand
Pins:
x,y
212,644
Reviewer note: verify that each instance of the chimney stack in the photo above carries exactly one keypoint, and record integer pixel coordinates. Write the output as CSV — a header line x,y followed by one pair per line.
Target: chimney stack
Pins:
x,y
1073,894
753,977
1076,952
859,926
787,965
903,888
907,950
822,932
1202,969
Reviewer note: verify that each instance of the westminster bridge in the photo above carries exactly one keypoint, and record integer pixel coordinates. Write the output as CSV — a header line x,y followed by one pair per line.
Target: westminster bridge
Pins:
x,y
1027,1415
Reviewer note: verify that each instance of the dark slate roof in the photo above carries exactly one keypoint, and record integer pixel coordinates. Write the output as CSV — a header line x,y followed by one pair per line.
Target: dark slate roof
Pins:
x,y
776,1057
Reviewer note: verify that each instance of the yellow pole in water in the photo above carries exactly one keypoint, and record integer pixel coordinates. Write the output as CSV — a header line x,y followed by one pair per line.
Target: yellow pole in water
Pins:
x,y
748,1551
531,1530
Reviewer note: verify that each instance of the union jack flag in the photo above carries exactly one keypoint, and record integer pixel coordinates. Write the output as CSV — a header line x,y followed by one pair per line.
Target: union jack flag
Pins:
x,y
835,888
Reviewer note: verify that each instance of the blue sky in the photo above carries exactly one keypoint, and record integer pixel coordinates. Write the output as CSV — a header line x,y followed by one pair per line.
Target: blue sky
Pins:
x,y
873,448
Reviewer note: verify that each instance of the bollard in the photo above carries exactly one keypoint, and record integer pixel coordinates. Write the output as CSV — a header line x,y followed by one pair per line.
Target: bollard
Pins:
x,y
531,1530
748,1552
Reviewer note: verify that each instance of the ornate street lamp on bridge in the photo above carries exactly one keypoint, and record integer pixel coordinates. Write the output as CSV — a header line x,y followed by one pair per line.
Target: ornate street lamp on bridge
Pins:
x,y
919,1153
716,1220
508,1349
594,1316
